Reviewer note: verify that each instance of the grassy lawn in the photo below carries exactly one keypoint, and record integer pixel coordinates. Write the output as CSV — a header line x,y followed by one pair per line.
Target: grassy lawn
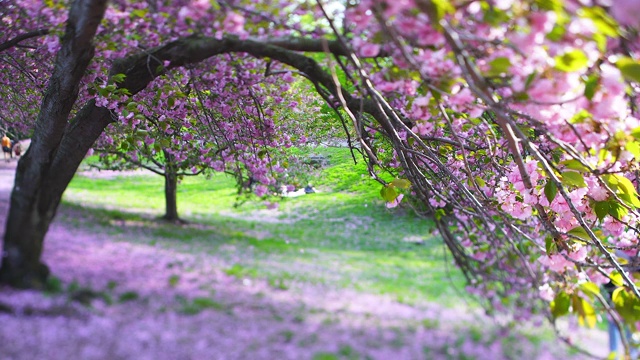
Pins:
x,y
342,236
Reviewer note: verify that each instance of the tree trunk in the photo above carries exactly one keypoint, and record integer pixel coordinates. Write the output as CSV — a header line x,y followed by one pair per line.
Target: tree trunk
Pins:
x,y
55,151
170,189
37,193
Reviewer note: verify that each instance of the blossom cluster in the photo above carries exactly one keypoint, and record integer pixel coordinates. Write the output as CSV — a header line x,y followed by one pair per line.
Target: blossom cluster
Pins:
x,y
525,118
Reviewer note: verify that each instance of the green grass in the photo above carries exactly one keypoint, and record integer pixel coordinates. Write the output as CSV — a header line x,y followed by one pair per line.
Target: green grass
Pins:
x,y
199,304
341,237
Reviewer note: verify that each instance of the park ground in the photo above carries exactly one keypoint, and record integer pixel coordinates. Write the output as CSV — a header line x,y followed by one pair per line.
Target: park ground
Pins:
x,y
243,284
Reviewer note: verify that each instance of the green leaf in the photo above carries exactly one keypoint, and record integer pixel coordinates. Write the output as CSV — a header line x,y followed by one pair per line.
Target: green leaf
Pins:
x,y
550,5
437,9
627,305
590,289
499,66
118,77
530,79
630,200
585,311
617,210
493,16
139,12
611,181
625,189
580,233
388,193
574,164
521,96
550,190
570,61
591,85
601,208
401,183
573,178
634,148
445,150
443,7
560,305
604,23
550,246
625,185
601,41
580,117
629,68
616,278
557,32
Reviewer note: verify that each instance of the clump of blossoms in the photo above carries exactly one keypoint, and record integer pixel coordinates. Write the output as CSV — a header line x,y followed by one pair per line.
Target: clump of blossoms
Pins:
x,y
516,123
23,67
216,115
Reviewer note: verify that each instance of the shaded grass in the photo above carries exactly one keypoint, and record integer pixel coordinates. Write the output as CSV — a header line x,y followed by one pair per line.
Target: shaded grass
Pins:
x,y
341,237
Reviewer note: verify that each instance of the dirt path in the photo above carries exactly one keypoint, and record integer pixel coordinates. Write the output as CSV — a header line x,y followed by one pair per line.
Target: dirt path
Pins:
x,y
123,300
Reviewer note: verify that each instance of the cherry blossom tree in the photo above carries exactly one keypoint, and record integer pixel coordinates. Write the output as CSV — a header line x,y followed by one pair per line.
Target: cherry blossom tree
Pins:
x,y
513,124
122,69
516,123
202,129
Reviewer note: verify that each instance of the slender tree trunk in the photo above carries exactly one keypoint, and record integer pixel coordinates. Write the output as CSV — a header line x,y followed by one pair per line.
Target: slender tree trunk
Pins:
x,y
55,151
170,189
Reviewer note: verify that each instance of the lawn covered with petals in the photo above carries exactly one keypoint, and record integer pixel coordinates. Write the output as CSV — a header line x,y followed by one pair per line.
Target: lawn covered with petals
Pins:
x,y
330,275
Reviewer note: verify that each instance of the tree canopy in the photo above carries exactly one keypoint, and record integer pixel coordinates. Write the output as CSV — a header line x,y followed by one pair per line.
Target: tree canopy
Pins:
x,y
514,124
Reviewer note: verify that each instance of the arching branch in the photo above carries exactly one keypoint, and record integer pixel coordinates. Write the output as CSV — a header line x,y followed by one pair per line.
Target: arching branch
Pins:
x,y
22,37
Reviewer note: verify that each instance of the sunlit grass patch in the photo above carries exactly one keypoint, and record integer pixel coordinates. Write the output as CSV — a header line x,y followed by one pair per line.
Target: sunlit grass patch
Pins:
x,y
341,237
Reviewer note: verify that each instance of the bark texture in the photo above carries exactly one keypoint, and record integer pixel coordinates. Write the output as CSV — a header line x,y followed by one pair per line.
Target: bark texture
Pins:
x,y
38,186
170,189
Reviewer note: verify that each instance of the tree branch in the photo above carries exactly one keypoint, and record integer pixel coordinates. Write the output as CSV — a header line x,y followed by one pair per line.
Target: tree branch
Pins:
x,y
313,45
22,37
